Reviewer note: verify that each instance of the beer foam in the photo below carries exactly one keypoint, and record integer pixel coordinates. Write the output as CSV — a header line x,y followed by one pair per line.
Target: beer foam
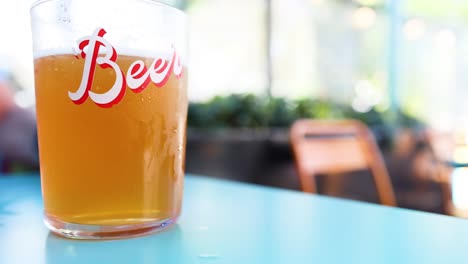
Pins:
x,y
147,54
53,52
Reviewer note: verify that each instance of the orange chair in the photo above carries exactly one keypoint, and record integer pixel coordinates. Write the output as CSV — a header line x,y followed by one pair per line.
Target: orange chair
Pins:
x,y
333,147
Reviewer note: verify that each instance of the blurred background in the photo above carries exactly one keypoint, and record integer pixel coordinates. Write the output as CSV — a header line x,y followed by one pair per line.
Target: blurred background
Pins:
x,y
399,66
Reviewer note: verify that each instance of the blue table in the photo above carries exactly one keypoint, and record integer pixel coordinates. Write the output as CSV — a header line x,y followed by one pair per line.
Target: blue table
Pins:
x,y
226,222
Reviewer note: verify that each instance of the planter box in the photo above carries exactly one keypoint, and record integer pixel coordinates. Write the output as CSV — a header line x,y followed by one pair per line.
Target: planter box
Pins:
x,y
235,154
244,154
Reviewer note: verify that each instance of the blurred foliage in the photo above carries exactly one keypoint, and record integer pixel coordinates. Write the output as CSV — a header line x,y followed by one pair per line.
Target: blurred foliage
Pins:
x,y
250,111
440,9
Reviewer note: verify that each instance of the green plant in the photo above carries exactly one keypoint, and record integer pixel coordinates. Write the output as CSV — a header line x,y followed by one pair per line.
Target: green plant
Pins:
x,y
235,110
247,110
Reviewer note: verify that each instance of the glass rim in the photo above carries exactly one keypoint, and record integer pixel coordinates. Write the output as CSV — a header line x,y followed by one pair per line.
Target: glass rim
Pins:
x,y
153,2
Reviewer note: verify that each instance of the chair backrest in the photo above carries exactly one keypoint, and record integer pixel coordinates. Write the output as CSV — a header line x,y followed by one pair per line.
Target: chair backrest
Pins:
x,y
331,147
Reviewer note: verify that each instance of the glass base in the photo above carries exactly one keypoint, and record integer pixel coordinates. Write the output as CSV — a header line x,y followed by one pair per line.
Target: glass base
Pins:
x,y
100,232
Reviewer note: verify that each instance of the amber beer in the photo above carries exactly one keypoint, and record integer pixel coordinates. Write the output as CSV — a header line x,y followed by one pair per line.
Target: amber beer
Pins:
x,y
112,153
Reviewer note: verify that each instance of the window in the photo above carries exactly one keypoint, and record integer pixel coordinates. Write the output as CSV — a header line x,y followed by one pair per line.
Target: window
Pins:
x,y
227,47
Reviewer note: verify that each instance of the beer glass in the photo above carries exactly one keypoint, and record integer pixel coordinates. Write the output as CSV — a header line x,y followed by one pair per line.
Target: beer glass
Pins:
x,y
111,98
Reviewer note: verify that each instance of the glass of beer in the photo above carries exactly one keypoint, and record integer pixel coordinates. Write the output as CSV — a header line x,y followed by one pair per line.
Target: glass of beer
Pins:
x,y
111,98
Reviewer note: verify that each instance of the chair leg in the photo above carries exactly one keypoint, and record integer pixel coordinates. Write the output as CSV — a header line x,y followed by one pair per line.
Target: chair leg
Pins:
x,y
308,183
378,169
381,177
443,177
384,186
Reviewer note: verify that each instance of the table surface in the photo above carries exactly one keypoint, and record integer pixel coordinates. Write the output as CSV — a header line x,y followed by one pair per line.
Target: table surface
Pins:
x,y
227,222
